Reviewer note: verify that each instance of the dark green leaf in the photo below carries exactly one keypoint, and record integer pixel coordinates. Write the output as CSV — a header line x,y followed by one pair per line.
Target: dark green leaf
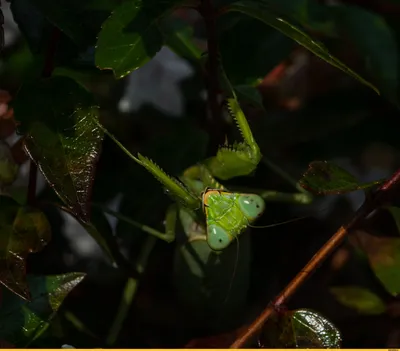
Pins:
x,y
130,37
59,118
250,49
32,24
249,93
178,37
8,167
23,231
375,43
325,178
263,13
360,299
71,17
384,258
395,212
22,322
301,328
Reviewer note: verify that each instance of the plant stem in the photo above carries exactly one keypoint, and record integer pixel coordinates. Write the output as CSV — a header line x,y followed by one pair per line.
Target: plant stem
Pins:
x,y
130,291
217,126
384,194
47,71
31,197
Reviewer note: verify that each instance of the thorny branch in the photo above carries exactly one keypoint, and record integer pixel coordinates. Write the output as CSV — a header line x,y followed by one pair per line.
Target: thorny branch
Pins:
x,y
383,195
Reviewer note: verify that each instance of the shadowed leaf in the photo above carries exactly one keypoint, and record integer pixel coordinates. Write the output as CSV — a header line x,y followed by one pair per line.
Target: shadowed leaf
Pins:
x,y
59,118
301,328
324,178
262,12
250,94
130,37
23,231
22,322
179,38
375,42
8,167
360,299
384,257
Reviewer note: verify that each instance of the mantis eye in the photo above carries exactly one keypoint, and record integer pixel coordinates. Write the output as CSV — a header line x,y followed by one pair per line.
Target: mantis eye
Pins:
x,y
251,205
217,237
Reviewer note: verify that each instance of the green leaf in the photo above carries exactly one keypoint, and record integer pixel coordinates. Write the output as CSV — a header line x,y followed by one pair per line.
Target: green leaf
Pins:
x,y
375,42
384,258
260,11
130,37
63,139
71,17
301,328
22,322
23,230
179,38
324,178
360,299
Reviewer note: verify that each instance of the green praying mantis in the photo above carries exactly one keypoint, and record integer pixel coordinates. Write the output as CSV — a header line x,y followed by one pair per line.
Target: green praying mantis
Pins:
x,y
212,257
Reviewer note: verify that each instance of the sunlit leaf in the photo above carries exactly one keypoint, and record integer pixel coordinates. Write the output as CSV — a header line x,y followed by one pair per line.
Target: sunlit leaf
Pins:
x,y
23,230
59,118
360,299
301,328
22,322
325,178
259,10
130,37
384,258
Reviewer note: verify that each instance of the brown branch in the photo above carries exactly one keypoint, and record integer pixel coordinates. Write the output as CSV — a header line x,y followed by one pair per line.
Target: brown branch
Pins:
x,y
47,71
384,194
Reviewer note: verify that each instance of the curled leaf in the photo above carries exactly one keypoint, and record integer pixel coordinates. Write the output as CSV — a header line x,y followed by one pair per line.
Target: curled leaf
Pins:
x,y
360,299
324,178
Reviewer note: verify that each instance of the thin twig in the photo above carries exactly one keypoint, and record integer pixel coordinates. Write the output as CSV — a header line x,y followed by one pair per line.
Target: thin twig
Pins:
x,y
217,126
130,290
384,194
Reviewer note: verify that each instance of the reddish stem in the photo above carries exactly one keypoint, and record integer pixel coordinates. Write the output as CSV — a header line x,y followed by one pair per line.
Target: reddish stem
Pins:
x,y
384,194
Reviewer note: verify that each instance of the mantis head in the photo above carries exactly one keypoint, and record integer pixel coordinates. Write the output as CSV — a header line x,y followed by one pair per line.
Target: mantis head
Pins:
x,y
228,215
